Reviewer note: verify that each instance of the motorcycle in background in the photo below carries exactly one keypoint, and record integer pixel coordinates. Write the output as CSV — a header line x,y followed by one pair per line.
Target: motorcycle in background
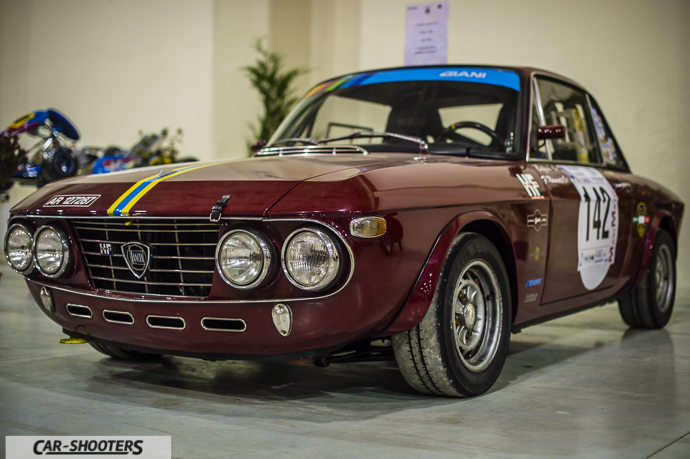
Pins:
x,y
53,156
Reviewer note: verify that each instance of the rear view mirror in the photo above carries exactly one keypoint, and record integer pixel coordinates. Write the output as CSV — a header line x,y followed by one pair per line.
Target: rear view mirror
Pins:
x,y
556,131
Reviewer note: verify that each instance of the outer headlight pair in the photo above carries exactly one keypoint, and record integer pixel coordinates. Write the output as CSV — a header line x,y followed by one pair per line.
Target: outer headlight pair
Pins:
x,y
310,259
47,250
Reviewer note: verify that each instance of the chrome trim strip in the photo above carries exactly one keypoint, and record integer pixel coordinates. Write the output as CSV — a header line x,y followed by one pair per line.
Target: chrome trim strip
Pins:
x,y
191,244
101,255
130,230
67,307
201,300
223,330
169,284
184,322
118,321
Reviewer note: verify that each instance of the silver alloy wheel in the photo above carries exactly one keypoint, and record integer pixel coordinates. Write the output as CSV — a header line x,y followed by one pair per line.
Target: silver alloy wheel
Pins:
x,y
663,278
477,311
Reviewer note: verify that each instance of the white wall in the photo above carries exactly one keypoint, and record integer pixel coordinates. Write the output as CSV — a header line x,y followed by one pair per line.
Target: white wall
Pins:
x,y
236,26
633,55
113,67
117,66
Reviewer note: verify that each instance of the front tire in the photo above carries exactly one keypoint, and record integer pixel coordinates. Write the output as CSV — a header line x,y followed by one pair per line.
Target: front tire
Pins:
x,y
460,346
650,303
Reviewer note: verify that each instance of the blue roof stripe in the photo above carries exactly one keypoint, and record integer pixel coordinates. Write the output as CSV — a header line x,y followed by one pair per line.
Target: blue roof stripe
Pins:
x,y
504,78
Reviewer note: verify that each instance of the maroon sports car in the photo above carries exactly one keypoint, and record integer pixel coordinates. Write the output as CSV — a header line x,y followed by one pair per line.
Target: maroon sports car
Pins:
x,y
419,213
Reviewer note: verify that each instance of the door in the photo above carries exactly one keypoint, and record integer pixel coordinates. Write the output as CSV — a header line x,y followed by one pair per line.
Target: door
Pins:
x,y
589,203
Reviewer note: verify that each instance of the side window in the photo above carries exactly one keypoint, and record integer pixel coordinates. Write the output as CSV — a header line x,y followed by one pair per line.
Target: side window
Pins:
x,y
610,152
565,105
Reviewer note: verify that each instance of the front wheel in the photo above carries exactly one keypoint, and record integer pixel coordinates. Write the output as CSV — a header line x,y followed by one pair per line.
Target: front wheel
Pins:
x,y
459,348
650,303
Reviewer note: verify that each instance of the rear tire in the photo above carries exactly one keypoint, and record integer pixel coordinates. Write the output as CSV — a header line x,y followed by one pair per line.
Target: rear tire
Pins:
x,y
650,303
459,348
122,354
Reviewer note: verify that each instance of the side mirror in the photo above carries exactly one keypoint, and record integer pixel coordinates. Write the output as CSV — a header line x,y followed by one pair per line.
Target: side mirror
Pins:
x,y
557,131
256,146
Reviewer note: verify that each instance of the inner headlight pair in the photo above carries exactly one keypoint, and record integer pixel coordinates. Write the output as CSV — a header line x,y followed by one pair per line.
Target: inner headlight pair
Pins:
x,y
47,250
310,258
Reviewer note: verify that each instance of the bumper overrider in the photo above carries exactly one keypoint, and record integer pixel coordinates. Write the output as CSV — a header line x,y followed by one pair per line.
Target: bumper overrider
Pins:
x,y
275,315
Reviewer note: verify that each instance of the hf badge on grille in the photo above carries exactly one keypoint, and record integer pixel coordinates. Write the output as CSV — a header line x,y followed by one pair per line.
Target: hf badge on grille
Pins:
x,y
138,258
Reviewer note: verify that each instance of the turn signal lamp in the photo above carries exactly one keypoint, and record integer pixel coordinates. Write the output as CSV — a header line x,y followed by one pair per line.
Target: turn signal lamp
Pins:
x,y
368,227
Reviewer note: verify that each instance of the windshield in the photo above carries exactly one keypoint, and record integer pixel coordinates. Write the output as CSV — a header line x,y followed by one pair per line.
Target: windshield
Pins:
x,y
453,110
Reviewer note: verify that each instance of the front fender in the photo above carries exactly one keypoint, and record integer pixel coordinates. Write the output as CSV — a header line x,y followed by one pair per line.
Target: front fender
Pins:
x,y
419,299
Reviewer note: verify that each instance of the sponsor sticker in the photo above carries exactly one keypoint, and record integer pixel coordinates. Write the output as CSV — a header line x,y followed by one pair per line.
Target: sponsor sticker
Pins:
x,y
537,220
535,254
72,200
531,297
88,447
531,186
533,282
608,149
597,224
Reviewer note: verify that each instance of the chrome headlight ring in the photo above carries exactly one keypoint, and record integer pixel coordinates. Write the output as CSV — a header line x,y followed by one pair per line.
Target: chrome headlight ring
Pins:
x,y
332,259
267,254
30,268
64,249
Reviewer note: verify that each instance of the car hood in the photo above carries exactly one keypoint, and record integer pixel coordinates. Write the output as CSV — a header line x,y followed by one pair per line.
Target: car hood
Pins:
x,y
191,189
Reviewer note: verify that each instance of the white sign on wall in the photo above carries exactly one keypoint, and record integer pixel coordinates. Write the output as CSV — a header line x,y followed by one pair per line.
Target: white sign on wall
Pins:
x,y
426,34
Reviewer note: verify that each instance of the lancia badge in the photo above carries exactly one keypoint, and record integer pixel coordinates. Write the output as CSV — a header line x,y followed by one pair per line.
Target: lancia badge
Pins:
x,y
138,258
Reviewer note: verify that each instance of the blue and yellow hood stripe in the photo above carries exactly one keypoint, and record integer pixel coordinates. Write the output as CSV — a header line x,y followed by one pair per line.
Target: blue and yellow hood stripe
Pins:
x,y
124,203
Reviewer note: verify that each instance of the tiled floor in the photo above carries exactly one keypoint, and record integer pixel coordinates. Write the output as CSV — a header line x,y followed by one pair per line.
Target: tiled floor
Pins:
x,y
582,386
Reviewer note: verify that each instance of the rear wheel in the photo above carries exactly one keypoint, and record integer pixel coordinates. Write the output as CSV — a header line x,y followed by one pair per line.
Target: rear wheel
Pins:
x,y
459,348
122,354
650,303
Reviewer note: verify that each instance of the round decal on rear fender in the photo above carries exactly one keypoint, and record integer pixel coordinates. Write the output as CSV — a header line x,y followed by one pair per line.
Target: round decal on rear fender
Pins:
x,y
597,224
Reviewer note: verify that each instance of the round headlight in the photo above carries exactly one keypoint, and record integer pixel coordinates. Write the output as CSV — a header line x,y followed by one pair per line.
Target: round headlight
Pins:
x,y
18,244
244,258
311,259
51,251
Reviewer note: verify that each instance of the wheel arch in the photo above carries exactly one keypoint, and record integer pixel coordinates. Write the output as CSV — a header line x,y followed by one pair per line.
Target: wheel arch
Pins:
x,y
666,221
418,301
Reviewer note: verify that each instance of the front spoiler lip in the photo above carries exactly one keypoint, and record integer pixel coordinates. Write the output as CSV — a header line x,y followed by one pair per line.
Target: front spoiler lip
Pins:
x,y
210,356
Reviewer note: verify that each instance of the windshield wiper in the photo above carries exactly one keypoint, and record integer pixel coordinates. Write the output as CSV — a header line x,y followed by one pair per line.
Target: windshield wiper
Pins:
x,y
423,146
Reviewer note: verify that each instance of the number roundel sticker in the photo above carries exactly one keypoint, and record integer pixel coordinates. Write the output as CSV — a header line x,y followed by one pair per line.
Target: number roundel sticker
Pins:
x,y
597,224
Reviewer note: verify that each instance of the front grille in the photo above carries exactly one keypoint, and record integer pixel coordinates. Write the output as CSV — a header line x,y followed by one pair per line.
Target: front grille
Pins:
x,y
182,255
